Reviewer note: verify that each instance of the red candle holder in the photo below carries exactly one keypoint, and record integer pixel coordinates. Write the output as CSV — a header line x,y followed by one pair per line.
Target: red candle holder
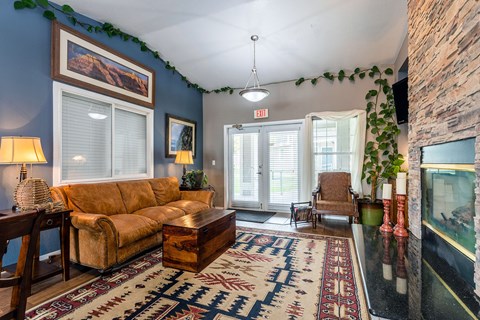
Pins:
x,y
400,230
385,227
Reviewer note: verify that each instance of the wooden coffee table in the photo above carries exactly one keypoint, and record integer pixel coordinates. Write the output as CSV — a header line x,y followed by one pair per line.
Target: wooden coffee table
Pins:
x,y
193,241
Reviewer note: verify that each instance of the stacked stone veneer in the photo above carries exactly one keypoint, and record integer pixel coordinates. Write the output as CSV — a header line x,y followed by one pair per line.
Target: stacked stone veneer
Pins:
x,y
444,90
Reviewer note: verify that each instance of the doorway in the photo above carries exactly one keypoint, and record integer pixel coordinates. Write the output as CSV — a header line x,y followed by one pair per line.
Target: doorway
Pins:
x,y
264,165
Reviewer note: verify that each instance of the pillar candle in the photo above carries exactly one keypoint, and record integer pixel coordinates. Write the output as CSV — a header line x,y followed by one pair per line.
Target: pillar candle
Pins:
x,y
401,186
402,175
387,271
387,191
401,285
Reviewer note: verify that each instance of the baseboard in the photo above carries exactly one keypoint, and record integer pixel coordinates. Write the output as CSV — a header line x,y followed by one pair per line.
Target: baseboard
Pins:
x,y
48,255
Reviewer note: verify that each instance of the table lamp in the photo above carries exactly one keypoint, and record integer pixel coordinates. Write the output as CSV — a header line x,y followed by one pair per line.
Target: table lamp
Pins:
x,y
184,157
21,150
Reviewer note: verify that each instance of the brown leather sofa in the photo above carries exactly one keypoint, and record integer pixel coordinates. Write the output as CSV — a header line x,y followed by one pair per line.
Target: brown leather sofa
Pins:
x,y
112,222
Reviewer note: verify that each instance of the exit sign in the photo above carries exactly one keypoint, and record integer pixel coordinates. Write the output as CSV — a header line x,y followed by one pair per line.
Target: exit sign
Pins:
x,y
260,114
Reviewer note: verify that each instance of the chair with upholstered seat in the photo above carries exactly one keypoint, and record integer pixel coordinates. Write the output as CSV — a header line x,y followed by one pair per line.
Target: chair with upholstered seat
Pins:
x,y
334,195
27,226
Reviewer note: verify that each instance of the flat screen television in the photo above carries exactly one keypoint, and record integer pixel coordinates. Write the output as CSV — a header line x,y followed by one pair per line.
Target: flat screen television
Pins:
x,y
400,96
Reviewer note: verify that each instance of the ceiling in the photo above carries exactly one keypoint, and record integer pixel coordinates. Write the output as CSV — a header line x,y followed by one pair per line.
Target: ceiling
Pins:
x,y
209,42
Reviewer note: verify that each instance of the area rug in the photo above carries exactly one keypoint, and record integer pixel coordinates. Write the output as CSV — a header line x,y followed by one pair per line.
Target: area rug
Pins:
x,y
264,275
253,216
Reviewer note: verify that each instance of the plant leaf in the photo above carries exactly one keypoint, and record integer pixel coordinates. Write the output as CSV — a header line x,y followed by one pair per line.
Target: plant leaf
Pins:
x,y
42,3
362,75
389,71
299,81
314,81
67,9
49,15
18,5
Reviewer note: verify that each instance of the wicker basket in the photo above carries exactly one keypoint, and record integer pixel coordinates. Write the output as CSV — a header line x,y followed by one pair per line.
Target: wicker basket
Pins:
x,y
34,193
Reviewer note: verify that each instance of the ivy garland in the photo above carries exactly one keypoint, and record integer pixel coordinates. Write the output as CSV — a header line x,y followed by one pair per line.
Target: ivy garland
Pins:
x,y
382,159
50,10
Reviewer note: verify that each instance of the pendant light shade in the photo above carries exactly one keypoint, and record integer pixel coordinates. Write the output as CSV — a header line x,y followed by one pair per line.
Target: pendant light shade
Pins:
x,y
254,93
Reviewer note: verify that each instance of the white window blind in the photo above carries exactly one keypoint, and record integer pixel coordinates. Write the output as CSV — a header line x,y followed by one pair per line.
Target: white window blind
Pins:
x,y
100,138
283,166
333,145
130,143
86,142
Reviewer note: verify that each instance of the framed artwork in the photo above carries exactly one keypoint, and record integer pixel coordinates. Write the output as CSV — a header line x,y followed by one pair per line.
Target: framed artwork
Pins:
x,y
86,63
180,135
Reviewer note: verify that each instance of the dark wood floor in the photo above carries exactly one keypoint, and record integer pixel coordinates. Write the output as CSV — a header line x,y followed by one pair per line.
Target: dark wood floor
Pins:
x,y
54,286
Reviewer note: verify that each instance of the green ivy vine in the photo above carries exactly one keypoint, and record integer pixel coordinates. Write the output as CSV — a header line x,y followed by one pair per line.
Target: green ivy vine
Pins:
x,y
50,11
382,160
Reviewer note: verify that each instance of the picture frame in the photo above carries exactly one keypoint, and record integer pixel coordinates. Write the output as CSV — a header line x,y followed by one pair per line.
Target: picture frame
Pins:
x,y
180,135
83,62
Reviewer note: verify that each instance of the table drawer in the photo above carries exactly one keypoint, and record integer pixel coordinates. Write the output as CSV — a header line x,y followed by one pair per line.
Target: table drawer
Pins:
x,y
51,221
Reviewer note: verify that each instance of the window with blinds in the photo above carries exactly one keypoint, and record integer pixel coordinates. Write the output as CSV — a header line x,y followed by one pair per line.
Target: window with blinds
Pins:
x,y
333,145
101,138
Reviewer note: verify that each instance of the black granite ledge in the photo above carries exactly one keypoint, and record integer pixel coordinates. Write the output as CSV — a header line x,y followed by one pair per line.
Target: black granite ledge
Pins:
x,y
400,284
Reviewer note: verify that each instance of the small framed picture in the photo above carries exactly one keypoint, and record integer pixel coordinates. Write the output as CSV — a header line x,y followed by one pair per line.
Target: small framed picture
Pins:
x,y
86,63
180,135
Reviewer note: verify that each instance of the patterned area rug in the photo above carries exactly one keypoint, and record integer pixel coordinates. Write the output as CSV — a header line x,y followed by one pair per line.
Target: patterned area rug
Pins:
x,y
265,274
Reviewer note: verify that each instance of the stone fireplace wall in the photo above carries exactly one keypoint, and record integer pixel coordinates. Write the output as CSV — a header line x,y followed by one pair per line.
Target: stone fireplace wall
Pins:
x,y
444,90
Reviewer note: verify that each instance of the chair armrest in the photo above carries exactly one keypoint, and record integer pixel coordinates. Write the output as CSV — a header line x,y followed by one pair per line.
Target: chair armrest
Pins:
x,y
92,222
204,196
353,193
315,191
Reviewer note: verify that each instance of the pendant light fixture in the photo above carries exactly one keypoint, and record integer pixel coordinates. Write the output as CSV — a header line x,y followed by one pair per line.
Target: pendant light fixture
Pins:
x,y
255,93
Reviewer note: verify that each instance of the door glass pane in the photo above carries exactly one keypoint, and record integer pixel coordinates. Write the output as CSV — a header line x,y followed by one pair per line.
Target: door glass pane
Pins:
x,y
284,167
245,181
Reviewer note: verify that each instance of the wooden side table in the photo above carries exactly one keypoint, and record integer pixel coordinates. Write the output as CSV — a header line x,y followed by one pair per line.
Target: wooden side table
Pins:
x,y
41,269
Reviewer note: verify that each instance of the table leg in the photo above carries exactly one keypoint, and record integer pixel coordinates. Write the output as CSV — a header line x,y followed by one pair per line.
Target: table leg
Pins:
x,y
65,244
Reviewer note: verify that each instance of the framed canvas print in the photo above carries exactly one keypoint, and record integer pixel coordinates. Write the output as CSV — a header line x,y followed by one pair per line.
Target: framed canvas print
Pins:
x,y
86,63
180,135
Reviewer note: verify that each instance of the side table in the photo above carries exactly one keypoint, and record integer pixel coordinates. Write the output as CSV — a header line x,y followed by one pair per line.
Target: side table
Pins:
x,y
41,269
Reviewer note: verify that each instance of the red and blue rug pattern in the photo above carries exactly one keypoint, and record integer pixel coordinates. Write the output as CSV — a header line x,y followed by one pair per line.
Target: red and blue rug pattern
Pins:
x,y
264,275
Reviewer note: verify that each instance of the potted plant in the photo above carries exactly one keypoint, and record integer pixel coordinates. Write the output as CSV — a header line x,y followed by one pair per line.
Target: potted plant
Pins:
x,y
196,179
382,160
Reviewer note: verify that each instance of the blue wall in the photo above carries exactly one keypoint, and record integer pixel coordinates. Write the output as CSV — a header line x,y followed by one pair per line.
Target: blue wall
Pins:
x,y
26,100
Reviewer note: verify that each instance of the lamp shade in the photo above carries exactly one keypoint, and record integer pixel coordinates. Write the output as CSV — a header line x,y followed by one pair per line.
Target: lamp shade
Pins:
x,y
21,150
184,157
254,94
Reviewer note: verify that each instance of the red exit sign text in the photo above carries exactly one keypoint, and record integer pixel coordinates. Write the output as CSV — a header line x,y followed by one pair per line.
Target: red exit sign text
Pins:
x,y
260,114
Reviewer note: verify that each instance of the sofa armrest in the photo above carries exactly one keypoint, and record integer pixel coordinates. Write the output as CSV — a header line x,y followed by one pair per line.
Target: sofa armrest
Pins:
x,y
92,222
204,196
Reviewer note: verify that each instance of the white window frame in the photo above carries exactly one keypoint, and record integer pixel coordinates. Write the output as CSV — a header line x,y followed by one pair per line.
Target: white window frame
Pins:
x,y
58,90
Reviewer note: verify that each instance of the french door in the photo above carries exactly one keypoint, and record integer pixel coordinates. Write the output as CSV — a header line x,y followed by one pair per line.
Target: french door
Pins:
x,y
264,166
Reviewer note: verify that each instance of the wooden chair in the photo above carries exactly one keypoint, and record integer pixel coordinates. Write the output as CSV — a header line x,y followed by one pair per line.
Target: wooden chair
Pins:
x,y
27,226
334,195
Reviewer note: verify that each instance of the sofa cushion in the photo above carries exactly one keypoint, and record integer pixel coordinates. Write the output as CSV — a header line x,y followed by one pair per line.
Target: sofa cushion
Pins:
x,y
132,227
136,195
165,189
189,206
161,214
101,198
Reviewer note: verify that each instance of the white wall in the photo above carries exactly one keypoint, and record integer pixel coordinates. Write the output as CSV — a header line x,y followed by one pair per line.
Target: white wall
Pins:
x,y
286,102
